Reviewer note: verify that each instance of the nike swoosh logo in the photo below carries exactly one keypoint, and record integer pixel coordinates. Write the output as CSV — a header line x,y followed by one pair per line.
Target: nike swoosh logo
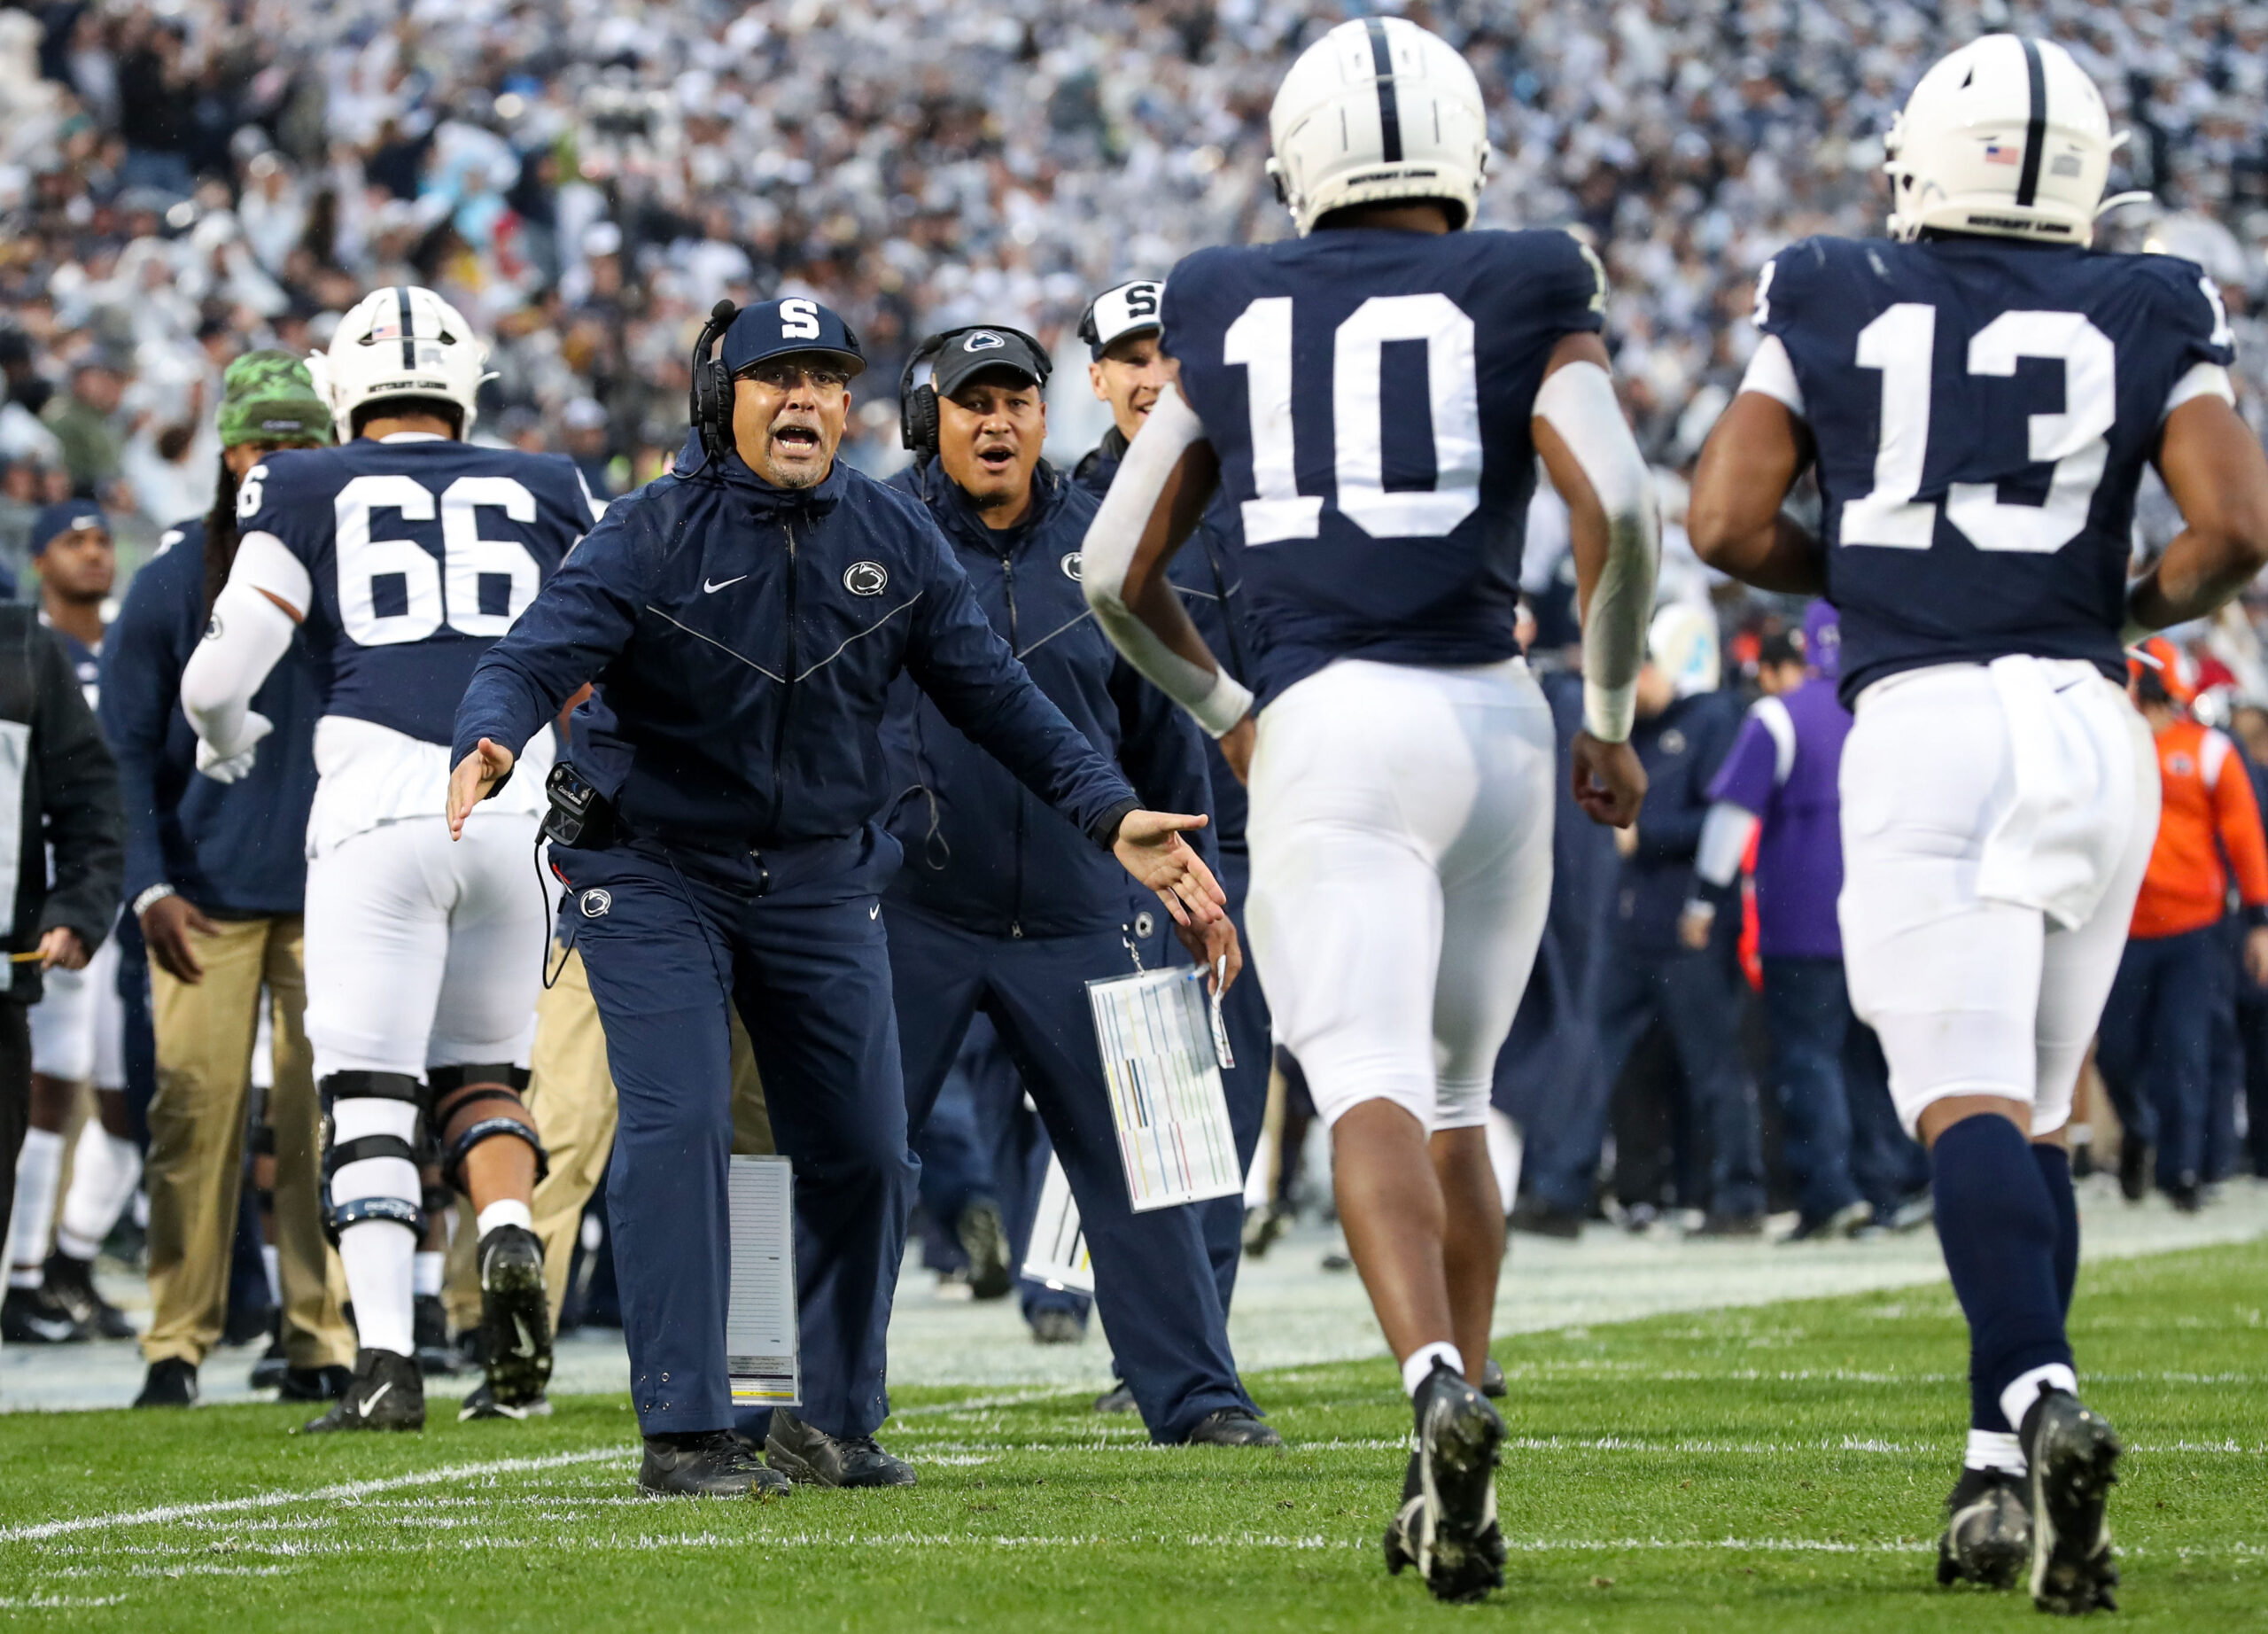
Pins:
x,y
377,1397
874,911
711,589
526,1346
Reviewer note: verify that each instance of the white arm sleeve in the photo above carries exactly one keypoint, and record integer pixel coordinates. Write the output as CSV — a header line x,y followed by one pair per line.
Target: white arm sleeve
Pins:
x,y
1771,372
248,637
1213,697
1725,834
1578,401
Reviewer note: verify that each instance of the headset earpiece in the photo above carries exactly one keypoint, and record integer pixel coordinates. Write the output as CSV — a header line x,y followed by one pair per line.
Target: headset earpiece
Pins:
x,y
917,405
711,395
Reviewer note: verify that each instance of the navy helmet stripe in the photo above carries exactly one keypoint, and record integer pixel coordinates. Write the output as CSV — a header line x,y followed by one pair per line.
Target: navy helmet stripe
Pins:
x,y
1389,112
2035,134
408,326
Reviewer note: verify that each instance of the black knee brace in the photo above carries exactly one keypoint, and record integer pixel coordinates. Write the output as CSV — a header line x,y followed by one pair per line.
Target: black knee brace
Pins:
x,y
337,1154
457,1091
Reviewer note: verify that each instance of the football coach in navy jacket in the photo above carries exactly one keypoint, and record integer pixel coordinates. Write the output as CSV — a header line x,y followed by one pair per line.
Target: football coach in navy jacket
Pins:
x,y
1004,906
742,622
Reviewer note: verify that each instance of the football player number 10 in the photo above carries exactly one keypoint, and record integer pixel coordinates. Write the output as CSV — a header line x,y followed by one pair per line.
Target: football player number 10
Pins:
x,y
1261,341
446,590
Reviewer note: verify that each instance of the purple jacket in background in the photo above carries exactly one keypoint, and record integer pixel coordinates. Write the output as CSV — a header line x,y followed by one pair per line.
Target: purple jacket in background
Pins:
x,y
1784,767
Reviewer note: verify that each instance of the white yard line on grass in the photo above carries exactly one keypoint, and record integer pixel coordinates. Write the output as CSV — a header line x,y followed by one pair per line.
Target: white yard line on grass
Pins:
x,y
339,1491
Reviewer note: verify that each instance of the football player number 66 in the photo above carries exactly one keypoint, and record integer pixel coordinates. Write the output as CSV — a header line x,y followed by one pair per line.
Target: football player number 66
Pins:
x,y
435,590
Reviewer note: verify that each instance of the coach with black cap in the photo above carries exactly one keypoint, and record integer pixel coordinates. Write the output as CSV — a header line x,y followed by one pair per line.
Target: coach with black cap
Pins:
x,y
1003,906
1127,371
743,620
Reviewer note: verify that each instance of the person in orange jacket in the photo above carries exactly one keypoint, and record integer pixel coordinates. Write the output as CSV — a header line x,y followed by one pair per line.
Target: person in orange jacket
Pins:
x,y
2155,1047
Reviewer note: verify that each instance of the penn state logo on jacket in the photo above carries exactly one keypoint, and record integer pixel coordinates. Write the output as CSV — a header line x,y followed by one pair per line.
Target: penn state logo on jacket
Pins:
x,y
865,578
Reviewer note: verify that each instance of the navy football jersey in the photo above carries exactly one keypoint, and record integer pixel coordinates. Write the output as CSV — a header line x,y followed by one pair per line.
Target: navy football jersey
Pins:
x,y
1369,393
86,663
1983,412
421,554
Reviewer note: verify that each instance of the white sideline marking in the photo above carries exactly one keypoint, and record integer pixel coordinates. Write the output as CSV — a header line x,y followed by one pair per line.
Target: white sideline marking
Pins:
x,y
342,1491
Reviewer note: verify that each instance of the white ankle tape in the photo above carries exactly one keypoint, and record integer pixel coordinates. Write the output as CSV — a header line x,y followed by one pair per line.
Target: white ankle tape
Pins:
x,y
506,1212
1415,1371
2016,1400
1995,1449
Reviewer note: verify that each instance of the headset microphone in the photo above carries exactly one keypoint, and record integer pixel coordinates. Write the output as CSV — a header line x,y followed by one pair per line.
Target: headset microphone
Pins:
x,y
711,396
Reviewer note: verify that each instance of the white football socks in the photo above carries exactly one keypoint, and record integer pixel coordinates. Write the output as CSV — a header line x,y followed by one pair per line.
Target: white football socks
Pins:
x,y
507,1211
39,1173
376,1255
105,1169
2016,1400
1995,1449
427,1272
1420,1364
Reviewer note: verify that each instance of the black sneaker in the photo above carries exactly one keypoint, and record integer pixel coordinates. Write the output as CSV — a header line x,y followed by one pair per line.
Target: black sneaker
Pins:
x,y
714,1463
1231,1427
1053,1325
71,1284
170,1382
32,1316
1716,1224
313,1383
1846,1221
386,1393
1492,1379
2134,1163
515,1315
1118,1398
984,1238
1988,1530
1446,1525
1541,1219
482,1403
2073,1453
814,1458
429,1329
267,1373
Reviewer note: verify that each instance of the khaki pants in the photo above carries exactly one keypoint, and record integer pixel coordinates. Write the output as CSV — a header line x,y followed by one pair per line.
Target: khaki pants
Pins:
x,y
196,1135
571,1094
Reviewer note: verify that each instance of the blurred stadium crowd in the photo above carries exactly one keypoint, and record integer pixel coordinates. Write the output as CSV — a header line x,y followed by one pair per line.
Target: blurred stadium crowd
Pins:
x,y
184,181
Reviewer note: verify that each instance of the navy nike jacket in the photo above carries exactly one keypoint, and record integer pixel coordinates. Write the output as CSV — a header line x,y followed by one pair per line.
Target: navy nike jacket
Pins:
x,y
742,640
980,851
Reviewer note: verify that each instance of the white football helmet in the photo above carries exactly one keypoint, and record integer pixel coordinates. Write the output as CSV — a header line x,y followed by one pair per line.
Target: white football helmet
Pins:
x,y
401,342
2006,136
1377,109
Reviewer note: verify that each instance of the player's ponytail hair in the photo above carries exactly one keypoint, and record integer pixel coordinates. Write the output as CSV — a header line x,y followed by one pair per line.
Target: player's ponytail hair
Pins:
x,y
219,535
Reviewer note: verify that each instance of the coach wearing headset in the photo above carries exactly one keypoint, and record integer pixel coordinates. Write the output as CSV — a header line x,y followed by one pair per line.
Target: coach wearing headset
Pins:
x,y
1003,905
743,620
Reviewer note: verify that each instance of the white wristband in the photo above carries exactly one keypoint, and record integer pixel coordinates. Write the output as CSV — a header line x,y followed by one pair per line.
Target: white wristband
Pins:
x,y
1608,712
1220,710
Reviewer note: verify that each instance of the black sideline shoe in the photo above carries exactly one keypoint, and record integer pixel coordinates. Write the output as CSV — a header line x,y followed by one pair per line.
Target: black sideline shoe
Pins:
x,y
1988,1530
386,1393
1446,1525
170,1382
2073,1453
1231,1427
2134,1164
1716,1224
1492,1379
429,1329
515,1315
1847,1221
267,1373
1053,1325
984,1238
71,1284
711,1464
1118,1398
314,1383
812,1457
482,1403
31,1315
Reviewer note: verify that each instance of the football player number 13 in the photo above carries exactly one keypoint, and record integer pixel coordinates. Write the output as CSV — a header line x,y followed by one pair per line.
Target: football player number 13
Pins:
x,y
1261,341
1901,345
435,591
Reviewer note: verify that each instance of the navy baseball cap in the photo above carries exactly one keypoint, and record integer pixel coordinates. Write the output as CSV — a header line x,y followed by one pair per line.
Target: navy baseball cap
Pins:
x,y
787,328
969,352
68,518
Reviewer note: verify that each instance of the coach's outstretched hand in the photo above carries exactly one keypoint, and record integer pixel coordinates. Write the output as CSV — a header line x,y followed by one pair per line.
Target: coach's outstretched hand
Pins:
x,y
1610,784
1150,847
477,774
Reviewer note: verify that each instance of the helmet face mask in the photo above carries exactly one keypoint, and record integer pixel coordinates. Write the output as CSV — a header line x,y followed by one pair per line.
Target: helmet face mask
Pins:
x,y
401,342
1378,110
2005,138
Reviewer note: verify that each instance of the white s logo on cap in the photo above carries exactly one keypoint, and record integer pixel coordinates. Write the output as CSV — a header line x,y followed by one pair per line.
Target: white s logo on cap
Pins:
x,y
799,319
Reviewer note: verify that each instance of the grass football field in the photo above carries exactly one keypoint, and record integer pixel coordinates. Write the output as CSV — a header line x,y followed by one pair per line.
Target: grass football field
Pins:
x,y
1774,1467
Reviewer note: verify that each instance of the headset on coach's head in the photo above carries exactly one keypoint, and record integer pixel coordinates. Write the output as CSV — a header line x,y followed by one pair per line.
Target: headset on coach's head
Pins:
x,y
917,405
709,399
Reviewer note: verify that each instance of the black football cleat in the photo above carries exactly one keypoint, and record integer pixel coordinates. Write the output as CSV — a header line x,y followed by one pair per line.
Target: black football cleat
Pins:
x,y
31,1316
1492,1379
430,1337
71,1284
984,1238
1118,1398
1231,1427
386,1393
1447,1524
2073,1453
812,1456
313,1384
2136,1159
170,1382
515,1315
1054,1325
482,1403
1988,1530
711,1464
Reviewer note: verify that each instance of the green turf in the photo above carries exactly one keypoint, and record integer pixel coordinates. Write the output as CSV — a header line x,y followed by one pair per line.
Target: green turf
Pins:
x,y
1773,1468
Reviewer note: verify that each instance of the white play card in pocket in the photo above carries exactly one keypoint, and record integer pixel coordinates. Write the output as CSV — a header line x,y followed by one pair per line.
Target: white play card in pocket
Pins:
x,y
760,1309
1155,1030
1058,1252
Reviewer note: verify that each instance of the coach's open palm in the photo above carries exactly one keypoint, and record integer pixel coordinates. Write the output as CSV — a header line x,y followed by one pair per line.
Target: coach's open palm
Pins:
x,y
1150,847
476,774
